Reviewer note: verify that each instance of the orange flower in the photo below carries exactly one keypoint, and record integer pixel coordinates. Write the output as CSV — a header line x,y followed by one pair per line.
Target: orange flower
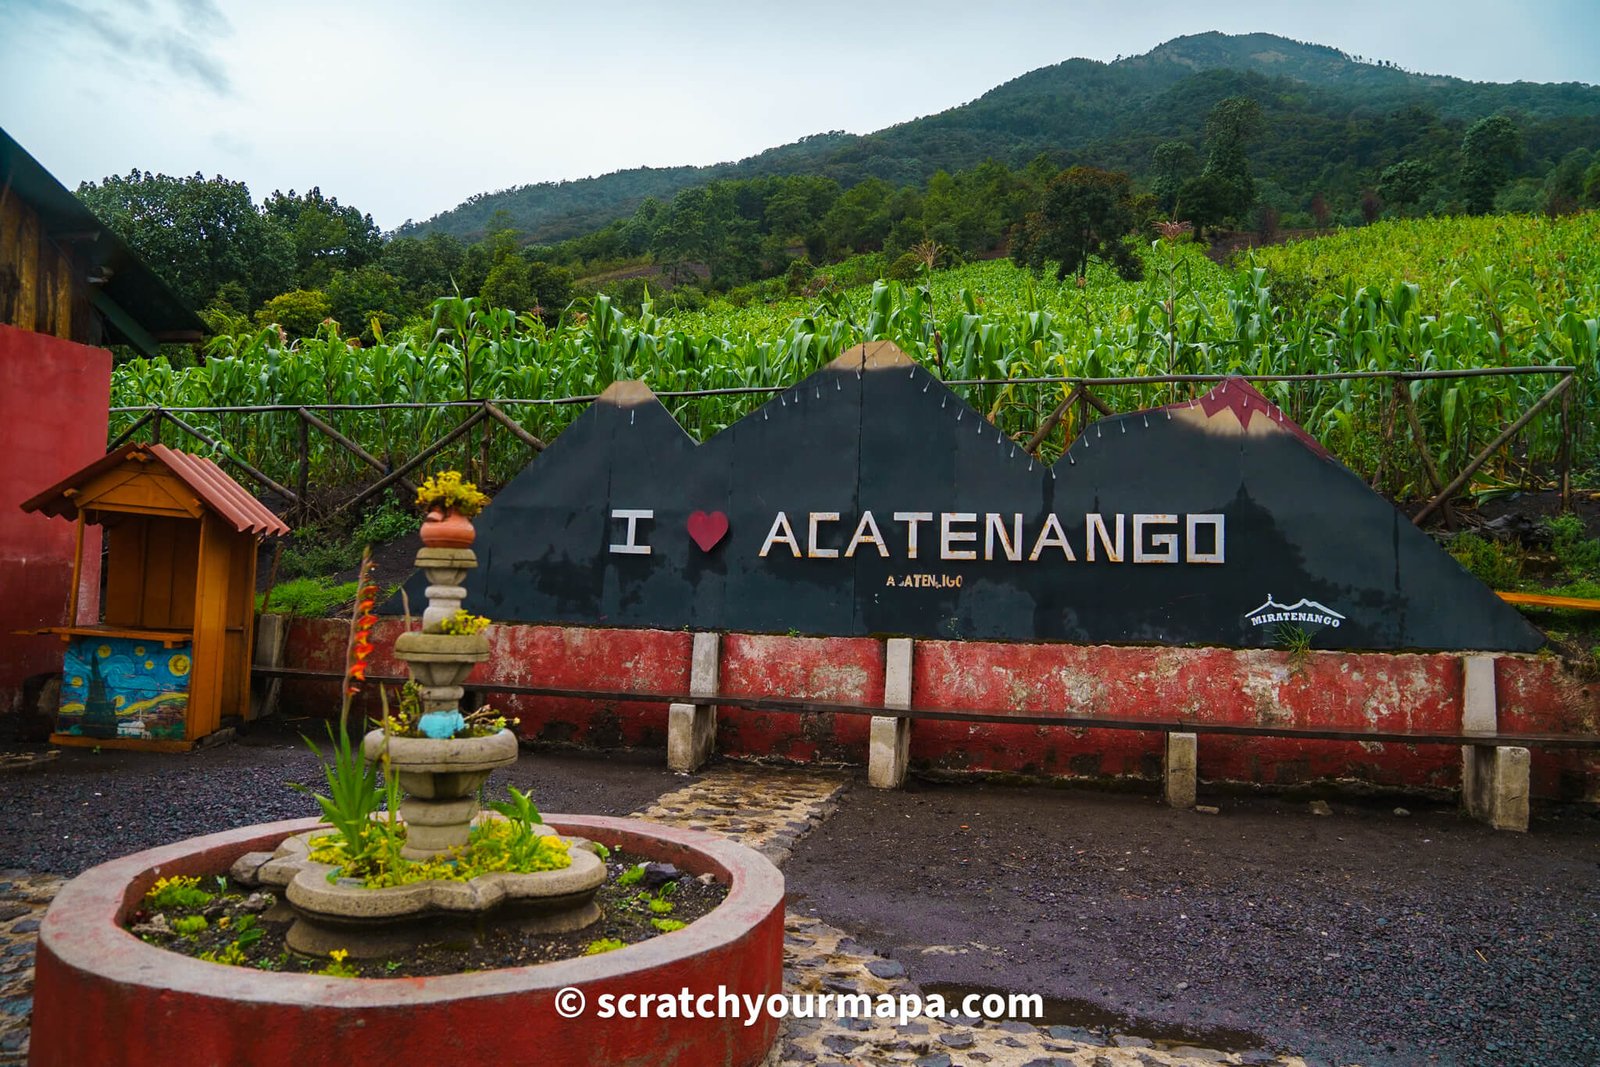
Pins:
x,y
362,620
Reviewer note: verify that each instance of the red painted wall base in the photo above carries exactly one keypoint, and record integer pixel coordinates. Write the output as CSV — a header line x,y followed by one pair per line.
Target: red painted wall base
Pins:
x,y
1255,687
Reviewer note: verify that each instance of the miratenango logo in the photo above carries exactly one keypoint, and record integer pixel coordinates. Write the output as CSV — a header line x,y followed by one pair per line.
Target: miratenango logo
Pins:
x,y
1301,610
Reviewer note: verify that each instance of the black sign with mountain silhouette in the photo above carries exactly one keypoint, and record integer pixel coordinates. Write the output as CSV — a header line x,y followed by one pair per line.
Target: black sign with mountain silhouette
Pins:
x,y
871,500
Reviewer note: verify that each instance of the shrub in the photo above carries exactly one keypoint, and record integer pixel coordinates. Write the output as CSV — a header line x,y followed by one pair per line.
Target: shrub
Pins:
x,y
1496,565
1577,553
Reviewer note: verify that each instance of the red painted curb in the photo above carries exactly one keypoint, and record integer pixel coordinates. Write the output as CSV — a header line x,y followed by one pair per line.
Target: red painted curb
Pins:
x,y
102,996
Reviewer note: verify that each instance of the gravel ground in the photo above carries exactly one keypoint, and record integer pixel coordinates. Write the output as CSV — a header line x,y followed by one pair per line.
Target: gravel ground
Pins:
x,y
87,807
1363,935
1360,936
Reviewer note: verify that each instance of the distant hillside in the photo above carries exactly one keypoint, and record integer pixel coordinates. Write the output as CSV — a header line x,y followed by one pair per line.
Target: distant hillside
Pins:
x,y
1345,116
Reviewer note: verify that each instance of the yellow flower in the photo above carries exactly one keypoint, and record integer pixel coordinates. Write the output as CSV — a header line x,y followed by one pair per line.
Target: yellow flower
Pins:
x,y
339,955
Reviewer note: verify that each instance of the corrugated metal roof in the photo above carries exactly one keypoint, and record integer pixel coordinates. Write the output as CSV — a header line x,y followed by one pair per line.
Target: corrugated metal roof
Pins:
x,y
215,489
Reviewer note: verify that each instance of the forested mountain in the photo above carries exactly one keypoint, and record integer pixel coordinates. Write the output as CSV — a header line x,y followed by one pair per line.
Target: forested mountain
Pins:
x,y
1336,122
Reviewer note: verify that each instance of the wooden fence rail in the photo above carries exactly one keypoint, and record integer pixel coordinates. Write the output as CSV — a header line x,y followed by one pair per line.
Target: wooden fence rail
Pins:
x,y
491,416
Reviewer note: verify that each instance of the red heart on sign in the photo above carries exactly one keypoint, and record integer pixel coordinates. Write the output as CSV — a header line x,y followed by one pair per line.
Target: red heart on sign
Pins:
x,y
707,530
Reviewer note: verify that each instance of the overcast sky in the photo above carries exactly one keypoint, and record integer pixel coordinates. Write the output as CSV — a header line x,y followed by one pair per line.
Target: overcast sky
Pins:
x,y
404,108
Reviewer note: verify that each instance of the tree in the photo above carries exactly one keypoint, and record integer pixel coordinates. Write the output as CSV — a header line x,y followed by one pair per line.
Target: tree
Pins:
x,y
552,288
197,233
1321,213
1563,186
1489,151
1173,164
1208,200
426,268
1405,183
298,312
357,297
508,285
1224,190
1086,212
328,236
1371,206
1591,185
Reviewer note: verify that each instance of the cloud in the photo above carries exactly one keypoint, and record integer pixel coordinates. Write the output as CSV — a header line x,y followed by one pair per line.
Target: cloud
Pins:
x,y
176,39
205,16
187,59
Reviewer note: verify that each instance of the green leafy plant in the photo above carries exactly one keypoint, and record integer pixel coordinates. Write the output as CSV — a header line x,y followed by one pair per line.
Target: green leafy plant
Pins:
x,y
180,891
1293,639
246,933
520,809
1576,552
231,954
384,524
632,875
336,966
354,792
1496,565
189,925
666,926
604,944
354,788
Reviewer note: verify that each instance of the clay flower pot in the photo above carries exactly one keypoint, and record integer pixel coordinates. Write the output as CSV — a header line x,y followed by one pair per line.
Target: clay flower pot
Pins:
x,y
448,529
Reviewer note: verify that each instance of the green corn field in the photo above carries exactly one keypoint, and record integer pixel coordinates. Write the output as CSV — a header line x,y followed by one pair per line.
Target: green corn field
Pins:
x,y
1434,295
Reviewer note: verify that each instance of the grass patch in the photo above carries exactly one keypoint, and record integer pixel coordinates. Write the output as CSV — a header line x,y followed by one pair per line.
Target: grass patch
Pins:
x,y
312,597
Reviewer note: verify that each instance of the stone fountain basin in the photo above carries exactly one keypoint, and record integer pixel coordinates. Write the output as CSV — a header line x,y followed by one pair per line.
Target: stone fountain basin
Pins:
x,y
308,886
103,996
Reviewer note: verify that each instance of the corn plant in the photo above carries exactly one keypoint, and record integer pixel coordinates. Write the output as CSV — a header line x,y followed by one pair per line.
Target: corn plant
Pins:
x,y
1421,295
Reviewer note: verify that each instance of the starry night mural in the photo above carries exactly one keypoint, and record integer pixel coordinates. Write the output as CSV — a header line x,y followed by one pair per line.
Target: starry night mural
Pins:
x,y
117,687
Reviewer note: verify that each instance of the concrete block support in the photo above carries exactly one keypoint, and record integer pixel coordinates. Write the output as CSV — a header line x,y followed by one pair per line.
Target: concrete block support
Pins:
x,y
889,743
1479,710
692,728
1499,795
1479,714
272,635
1180,771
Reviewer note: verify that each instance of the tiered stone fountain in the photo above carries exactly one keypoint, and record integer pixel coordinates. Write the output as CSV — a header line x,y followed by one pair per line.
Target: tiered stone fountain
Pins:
x,y
103,996
441,775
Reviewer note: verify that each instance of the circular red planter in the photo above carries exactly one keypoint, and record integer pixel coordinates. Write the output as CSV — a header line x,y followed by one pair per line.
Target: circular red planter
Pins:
x,y
103,996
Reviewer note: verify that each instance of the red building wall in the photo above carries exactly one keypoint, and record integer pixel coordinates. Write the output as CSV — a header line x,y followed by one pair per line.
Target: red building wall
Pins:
x,y
54,396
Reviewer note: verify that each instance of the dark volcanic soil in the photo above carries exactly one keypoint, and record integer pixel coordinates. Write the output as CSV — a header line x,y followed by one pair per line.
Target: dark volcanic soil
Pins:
x,y
1360,936
1357,937
627,918
88,807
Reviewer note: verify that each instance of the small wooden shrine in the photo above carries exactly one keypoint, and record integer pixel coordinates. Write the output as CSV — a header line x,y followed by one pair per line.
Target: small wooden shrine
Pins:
x,y
170,656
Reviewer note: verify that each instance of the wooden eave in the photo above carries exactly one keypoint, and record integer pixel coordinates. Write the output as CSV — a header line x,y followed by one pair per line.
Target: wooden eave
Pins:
x,y
179,485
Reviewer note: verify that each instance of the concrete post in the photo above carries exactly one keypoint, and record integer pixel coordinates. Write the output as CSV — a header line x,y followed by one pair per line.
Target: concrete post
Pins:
x,y
889,743
272,634
1500,788
1180,773
1480,715
692,728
